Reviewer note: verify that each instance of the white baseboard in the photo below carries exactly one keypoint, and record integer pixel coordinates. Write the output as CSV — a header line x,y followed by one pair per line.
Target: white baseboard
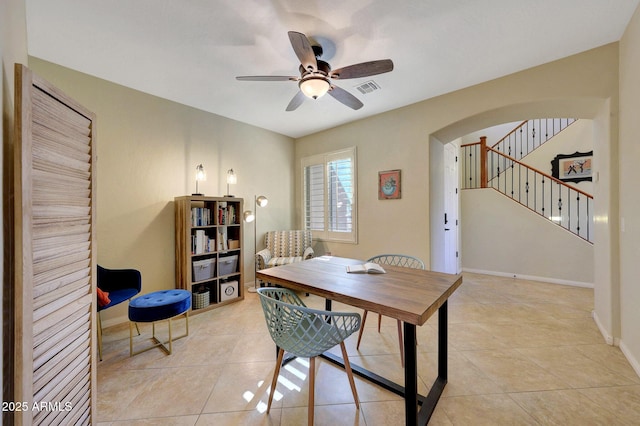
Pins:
x,y
608,338
249,284
530,277
632,360
614,341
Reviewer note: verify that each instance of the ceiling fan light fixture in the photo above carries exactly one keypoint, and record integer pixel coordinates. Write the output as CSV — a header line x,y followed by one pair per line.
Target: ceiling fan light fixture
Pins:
x,y
314,87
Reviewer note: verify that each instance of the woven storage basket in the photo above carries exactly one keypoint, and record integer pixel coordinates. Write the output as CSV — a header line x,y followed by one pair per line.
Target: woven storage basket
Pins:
x,y
200,300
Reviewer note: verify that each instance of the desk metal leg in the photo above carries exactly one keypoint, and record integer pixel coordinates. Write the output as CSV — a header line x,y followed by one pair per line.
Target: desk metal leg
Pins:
x,y
438,386
410,375
410,389
442,342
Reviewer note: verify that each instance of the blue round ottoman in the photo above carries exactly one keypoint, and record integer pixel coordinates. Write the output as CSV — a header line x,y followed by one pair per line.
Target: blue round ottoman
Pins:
x,y
159,306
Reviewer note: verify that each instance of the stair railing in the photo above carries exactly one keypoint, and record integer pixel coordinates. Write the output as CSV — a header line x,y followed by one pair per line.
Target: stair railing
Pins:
x,y
530,135
564,205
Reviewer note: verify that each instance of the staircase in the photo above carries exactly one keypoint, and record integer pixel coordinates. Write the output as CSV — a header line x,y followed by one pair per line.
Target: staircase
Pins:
x,y
529,135
500,167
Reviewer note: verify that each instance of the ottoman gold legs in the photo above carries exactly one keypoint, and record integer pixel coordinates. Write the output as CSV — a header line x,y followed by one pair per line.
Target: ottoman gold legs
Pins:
x,y
158,343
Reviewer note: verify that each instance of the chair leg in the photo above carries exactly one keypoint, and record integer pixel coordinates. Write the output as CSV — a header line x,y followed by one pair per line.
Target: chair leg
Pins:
x,y
364,319
312,382
274,381
347,368
99,337
400,341
379,322
137,328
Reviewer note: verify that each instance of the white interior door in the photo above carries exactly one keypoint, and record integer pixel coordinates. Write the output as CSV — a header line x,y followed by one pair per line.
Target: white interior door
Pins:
x,y
451,210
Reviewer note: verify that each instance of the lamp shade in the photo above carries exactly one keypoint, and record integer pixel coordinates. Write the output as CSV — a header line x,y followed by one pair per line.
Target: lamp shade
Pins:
x,y
201,175
232,179
261,201
314,87
249,216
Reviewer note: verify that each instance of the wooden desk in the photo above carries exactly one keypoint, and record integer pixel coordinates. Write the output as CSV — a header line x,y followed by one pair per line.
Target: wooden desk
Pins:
x,y
410,295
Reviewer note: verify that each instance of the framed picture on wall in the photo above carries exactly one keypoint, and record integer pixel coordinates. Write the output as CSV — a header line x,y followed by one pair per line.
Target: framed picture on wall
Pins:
x,y
574,167
389,185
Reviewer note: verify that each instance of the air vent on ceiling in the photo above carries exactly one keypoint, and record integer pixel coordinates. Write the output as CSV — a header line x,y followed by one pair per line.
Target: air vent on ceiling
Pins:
x,y
368,87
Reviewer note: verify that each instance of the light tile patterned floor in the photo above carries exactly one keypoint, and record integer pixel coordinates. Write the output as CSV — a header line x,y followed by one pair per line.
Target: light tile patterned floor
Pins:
x,y
520,353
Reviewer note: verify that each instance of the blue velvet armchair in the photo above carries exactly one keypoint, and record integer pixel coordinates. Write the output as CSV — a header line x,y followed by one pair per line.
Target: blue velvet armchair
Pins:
x,y
121,285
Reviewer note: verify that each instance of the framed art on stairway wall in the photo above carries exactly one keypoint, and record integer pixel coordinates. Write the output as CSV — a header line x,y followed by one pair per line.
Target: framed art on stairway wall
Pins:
x,y
574,167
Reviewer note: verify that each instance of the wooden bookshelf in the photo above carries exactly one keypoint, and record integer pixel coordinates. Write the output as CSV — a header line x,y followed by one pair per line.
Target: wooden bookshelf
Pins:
x,y
209,250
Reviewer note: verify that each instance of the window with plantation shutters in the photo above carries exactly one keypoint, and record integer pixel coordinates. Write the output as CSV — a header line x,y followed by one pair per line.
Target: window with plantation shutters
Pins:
x,y
330,195
314,199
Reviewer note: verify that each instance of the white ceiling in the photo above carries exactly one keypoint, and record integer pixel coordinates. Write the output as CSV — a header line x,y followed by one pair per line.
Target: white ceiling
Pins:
x,y
190,51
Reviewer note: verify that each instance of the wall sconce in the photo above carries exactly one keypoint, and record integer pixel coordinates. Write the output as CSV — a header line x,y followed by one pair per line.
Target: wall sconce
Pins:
x,y
231,180
201,176
250,216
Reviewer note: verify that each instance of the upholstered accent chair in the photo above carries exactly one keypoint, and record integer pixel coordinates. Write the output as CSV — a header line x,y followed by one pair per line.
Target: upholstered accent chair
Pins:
x,y
116,286
284,247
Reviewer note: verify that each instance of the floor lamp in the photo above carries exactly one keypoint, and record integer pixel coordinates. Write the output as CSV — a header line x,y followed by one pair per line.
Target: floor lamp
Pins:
x,y
251,216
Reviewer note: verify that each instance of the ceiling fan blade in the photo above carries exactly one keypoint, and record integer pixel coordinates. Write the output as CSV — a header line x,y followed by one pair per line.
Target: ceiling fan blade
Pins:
x,y
345,97
296,101
267,78
304,51
364,69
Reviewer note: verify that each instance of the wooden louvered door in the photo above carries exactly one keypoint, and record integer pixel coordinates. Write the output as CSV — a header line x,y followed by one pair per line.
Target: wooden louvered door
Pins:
x,y
55,314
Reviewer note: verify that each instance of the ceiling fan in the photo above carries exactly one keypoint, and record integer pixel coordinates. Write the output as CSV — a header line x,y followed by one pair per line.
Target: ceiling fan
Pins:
x,y
316,75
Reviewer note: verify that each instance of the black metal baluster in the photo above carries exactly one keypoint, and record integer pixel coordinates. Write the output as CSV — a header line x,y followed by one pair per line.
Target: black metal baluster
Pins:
x,y
533,139
535,192
527,187
519,183
543,195
512,178
470,168
551,199
588,221
546,129
560,204
578,207
569,208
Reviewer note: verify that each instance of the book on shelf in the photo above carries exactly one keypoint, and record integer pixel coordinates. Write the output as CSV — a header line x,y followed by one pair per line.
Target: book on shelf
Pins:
x,y
366,268
201,243
227,214
201,216
223,242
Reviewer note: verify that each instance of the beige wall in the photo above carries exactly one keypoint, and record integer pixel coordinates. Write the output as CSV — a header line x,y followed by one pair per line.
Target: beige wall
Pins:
x,y
575,86
148,149
630,196
504,238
